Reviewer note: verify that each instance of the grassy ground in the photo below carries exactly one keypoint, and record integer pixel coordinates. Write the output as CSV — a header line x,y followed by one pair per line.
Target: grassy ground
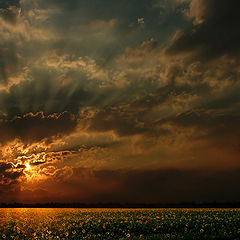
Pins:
x,y
160,224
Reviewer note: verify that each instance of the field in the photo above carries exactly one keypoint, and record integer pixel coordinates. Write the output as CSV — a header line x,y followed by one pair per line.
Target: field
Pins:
x,y
27,223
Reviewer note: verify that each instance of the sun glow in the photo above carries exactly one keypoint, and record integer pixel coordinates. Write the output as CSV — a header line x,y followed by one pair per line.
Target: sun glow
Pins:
x,y
27,165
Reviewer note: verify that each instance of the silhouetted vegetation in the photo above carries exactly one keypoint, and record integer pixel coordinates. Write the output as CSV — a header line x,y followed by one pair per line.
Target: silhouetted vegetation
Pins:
x,y
122,205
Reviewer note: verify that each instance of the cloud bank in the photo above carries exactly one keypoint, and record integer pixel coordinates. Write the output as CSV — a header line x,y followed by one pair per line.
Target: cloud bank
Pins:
x,y
95,96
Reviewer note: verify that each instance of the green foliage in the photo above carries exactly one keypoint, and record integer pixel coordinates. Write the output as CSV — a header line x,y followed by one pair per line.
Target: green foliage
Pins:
x,y
119,224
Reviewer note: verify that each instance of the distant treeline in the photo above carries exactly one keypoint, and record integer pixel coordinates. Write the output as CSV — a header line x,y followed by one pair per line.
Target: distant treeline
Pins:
x,y
123,205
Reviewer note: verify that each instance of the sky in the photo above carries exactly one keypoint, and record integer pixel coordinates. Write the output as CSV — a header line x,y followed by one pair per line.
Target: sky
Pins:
x,y
119,101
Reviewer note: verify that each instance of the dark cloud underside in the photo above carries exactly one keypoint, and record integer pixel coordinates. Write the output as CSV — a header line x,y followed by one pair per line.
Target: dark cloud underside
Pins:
x,y
8,178
155,186
215,32
35,127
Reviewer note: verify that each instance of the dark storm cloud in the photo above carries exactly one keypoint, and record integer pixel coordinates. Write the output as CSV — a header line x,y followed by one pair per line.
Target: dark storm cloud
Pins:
x,y
8,177
35,127
218,114
209,120
219,127
177,185
86,37
155,186
9,61
215,31
9,10
126,11
7,174
8,3
135,117
122,122
43,94
132,186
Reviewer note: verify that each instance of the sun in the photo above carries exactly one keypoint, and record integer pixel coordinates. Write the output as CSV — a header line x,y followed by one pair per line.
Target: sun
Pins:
x,y
28,167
